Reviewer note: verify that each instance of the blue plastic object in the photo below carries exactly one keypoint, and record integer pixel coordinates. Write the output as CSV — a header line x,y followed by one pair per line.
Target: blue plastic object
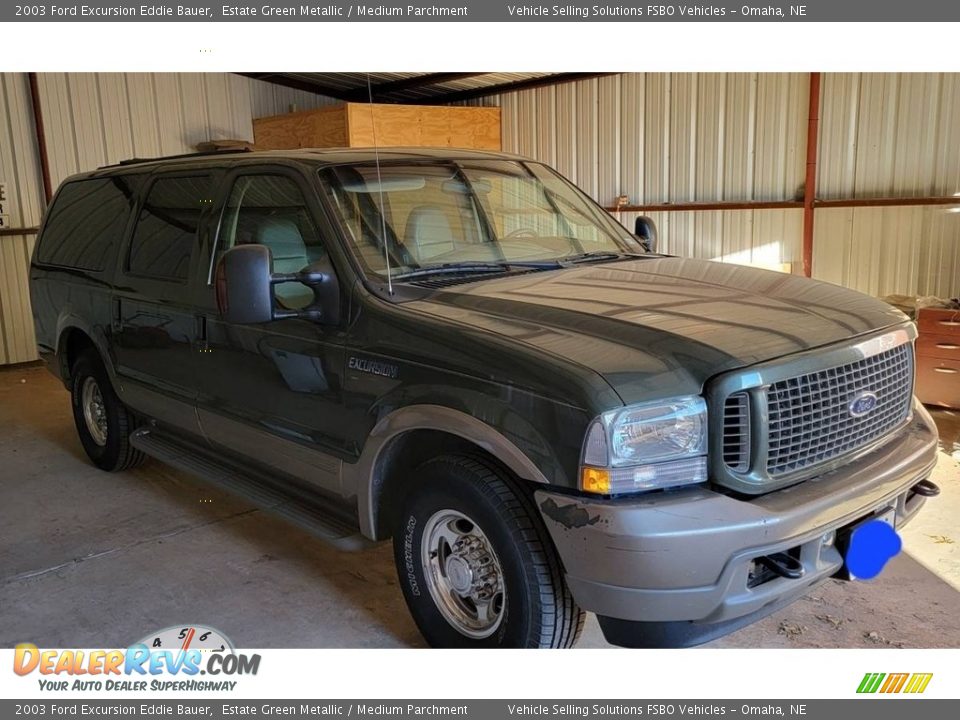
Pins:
x,y
871,546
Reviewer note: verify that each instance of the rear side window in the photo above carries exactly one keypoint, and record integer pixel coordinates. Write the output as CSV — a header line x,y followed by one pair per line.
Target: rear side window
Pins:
x,y
86,223
166,231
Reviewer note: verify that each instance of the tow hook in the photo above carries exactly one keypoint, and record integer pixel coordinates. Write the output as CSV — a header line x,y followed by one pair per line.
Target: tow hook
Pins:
x,y
782,564
925,488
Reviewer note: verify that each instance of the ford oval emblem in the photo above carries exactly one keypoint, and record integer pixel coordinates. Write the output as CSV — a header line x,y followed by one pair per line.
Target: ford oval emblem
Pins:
x,y
862,404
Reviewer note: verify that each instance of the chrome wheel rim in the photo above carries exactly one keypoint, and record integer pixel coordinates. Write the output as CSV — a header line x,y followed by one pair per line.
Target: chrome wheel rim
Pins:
x,y
94,412
463,574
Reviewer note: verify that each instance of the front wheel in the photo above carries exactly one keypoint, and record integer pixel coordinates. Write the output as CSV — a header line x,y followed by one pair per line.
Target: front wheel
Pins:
x,y
476,565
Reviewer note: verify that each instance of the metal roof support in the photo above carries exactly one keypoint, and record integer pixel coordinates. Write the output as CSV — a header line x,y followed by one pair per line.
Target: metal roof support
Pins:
x,y
419,82
41,137
810,184
545,81
298,84
718,205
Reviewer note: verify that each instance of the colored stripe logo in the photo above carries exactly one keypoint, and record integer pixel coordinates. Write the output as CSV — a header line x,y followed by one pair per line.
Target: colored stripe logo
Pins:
x,y
894,683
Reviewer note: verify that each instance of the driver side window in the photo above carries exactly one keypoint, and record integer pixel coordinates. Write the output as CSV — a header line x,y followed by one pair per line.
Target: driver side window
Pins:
x,y
270,210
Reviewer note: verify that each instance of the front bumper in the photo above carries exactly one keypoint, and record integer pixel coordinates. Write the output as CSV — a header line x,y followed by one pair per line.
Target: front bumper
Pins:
x,y
672,568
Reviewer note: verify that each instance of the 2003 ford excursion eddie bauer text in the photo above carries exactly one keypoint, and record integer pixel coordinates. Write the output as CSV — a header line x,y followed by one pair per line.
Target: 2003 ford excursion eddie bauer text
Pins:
x,y
462,352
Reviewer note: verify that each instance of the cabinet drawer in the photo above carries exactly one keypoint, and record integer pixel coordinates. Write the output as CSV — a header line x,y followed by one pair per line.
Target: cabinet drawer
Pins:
x,y
938,381
939,346
939,321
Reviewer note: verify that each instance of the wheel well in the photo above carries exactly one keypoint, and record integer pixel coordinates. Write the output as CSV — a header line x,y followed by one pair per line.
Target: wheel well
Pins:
x,y
73,342
394,472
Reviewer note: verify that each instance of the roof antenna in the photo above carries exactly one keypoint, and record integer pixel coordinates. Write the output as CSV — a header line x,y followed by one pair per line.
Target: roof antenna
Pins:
x,y
383,208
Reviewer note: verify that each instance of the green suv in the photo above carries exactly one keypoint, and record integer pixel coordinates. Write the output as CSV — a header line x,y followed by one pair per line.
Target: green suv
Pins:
x,y
461,352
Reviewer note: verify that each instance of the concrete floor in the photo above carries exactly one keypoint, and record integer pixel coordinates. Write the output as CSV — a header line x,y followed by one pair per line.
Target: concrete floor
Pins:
x,y
92,559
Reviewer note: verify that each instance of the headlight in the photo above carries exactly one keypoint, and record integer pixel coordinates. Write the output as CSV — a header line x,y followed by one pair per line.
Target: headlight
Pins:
x,y
646,446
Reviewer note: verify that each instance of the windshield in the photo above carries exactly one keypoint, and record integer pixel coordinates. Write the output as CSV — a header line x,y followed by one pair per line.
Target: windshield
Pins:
x,y
438,214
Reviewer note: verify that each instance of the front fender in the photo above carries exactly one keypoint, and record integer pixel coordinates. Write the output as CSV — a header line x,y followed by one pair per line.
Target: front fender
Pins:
x,y
361,478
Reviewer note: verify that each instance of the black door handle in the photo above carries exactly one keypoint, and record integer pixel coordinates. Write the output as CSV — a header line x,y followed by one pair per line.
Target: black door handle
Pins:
x,y
201,328
116,316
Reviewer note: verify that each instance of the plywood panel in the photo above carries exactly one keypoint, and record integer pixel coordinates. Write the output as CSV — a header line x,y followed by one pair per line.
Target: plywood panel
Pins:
x,y
423,126
325,127
467,127
366,125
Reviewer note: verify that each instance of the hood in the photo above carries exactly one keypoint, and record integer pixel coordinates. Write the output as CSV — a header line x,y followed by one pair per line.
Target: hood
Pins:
x,y
656,327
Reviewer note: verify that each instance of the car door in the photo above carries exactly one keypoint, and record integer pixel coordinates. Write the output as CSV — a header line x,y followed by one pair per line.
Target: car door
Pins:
x,y
154,325
273,392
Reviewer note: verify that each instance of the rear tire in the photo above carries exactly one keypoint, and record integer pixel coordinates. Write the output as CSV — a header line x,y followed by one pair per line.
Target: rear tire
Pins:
x,y
476,564
103,422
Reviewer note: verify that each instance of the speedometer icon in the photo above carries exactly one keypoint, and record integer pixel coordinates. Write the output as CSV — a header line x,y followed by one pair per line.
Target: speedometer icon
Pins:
x,y
188,637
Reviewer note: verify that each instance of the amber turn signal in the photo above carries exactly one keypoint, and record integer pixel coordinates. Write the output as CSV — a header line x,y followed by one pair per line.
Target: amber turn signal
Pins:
x,y
595,480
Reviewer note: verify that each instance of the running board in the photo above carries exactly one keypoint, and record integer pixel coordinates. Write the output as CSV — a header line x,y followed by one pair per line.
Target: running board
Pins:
x,y
256,488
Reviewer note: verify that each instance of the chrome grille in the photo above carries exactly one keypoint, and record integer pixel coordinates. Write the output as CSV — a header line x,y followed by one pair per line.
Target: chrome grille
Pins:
x,y
776,423
809,415
736,432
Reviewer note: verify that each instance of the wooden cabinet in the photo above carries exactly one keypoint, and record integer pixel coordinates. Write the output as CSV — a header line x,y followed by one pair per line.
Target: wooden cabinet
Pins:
x,y
938,357
357,124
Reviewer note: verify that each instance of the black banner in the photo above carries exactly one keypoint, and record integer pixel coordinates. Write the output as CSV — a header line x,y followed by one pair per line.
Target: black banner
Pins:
x,y
484,11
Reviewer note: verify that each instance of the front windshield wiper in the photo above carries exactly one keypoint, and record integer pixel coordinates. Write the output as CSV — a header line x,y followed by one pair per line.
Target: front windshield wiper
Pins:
x,y
598,255
478,267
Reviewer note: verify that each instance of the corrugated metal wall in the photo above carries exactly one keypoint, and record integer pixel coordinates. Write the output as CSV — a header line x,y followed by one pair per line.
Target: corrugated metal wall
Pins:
x,y
726,137
890,135
654,137
20,172
674,138
94,119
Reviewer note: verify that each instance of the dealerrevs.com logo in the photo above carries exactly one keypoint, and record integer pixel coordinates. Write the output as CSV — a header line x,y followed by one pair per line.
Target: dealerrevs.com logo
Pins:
x,y
171,659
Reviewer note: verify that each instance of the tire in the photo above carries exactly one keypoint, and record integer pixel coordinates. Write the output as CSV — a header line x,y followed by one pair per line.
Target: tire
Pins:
x,y
106,438
499,583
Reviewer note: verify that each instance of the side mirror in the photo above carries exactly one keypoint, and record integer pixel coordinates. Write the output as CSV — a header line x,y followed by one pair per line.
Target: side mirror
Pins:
x,y
646,230
244,284
320,277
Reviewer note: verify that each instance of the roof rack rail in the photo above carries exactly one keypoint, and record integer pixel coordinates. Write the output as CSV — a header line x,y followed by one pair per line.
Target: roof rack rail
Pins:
x,y
201,153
